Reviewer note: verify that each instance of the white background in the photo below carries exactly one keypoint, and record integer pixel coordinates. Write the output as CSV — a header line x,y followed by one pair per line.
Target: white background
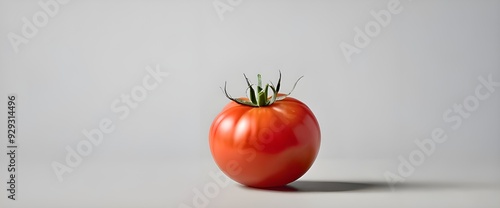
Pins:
x,y
426,60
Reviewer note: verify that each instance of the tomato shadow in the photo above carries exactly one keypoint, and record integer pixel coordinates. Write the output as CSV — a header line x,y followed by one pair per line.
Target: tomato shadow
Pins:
x,y
337,186
325,186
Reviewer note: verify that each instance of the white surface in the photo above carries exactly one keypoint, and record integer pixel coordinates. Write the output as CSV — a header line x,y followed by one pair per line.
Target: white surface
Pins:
x,y
329,183
371,110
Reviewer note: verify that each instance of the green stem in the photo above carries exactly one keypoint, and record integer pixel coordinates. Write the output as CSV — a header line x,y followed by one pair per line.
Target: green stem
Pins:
x,y
258,96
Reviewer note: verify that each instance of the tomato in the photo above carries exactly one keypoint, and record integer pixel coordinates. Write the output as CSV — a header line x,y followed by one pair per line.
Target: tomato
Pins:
x,y
265,146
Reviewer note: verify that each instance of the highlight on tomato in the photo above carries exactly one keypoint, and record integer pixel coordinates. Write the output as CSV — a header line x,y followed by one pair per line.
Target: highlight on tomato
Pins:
x,y
265,140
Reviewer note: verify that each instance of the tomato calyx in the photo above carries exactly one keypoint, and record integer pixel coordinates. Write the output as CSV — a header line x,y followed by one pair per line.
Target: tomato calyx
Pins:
x,y
258,96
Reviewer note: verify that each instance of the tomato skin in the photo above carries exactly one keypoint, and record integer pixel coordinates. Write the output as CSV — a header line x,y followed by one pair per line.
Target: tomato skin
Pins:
x,y
265,146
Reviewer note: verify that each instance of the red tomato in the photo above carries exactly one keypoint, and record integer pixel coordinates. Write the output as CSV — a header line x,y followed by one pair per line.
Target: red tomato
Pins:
x,y
265,146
